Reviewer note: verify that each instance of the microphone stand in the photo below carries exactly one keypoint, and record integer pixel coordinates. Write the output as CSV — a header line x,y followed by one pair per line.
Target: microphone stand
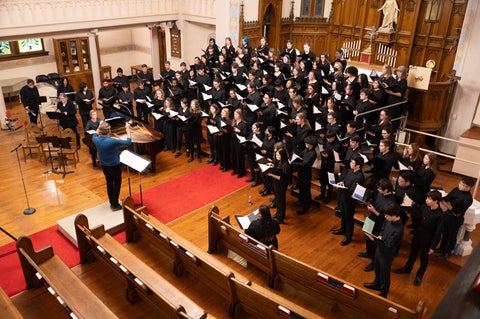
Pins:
x,y
29,210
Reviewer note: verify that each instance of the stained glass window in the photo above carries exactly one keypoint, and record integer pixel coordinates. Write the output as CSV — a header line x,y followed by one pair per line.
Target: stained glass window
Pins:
x,y
30,45
5,48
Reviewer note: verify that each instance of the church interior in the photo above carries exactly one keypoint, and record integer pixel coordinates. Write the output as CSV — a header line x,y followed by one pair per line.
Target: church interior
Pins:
x,y
434,39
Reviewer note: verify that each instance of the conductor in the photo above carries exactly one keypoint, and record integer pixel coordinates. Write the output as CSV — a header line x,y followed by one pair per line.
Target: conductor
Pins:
x,y
108,151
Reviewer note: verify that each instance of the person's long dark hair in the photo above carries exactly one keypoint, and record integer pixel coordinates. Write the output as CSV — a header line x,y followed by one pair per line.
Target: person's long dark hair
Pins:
x,y
267,224
283,164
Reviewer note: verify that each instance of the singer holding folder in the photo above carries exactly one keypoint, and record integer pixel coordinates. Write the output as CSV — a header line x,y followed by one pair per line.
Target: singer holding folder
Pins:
x,y
108,151
28,93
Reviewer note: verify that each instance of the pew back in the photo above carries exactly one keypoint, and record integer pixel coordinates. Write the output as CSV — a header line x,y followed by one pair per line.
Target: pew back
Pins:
x,y
344,296
7,308
141,278
186,256
43,267
222,234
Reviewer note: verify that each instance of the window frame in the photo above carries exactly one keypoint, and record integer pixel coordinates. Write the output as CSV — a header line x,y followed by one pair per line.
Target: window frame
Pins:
x,y
312,8
16,54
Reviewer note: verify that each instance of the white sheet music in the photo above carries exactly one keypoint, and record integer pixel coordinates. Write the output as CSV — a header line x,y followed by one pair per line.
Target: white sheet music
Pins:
x,y
241,87
258,157
332,181
318,126
368,225
359,192
264,167
252,107
134,160
157,115
212,129
407,201
295,157
206,87
336,156
256,140
206,96
241,139
316,110
140,101
280,105
401,166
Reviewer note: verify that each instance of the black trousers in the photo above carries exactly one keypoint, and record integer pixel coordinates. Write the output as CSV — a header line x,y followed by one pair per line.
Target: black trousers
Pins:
x,y
449,236
383,264
33,114
113,176
304,184
420,244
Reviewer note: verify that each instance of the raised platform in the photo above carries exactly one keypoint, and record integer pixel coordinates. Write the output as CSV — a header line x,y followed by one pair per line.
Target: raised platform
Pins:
x,y
101,214
469,152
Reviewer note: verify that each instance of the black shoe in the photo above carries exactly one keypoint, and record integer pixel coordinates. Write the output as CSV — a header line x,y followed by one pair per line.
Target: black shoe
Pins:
x,y
115,207
369,267
363,254
223,169
234,173
255,183
262,190
338,232
199,160
319,197
241,175
302,212
177,155
248,180
326,200
272,205
401,271
417,281
372,285
346,241
214,163
210,160
337,210
266,193
190,160
294,187
272,199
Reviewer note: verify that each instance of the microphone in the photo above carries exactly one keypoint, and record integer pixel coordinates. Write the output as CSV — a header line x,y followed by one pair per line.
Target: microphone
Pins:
x,y
15,148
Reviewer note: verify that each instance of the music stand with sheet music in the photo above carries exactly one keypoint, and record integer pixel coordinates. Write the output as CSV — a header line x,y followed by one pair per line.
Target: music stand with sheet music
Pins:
x,y
57,116
138,163
37,100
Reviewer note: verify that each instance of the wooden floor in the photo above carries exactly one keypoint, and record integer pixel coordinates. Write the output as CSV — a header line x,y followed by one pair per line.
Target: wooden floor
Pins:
x,y
306,238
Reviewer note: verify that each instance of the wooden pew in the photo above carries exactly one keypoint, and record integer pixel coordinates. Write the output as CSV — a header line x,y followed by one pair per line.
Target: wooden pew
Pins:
x,y
185,255
261,304
222,234
7,308
342,295
141,279
241,296
44,268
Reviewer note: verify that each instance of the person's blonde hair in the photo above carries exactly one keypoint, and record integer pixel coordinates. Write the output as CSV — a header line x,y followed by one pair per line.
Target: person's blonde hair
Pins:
x,y
104,128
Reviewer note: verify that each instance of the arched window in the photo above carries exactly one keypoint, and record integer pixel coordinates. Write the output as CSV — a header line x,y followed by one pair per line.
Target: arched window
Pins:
x,y
312,8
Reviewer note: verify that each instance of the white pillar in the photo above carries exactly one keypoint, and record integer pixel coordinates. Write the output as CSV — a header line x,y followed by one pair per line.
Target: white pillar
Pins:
x,y
3,110
227,21
155,53
92,43
472,218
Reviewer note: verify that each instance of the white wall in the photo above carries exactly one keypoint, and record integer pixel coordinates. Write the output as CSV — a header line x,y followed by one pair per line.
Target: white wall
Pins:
x,y
467,65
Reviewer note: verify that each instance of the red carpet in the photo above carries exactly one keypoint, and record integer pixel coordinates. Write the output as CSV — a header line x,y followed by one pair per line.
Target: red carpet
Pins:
x,y
166,202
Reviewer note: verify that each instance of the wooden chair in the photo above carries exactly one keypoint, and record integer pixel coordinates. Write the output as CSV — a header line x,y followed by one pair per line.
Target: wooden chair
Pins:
x,y
72,152
32,131
13,124
50,150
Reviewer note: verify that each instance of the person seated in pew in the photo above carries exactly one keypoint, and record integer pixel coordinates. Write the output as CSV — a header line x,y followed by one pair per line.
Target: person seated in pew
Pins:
x,y
264,229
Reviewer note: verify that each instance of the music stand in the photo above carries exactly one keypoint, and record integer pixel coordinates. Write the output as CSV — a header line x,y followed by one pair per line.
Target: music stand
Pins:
x,y
138,163
62,143
37,100
48,139
57,116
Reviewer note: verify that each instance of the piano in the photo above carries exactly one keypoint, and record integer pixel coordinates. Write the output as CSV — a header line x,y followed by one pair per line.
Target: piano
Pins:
x,y
145,140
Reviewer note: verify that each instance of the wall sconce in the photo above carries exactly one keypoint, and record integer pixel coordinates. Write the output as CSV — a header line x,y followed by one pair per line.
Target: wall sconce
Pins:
x,y
434,9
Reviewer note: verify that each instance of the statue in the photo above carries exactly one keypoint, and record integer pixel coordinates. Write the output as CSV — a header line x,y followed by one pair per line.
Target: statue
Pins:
x,y
390,13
